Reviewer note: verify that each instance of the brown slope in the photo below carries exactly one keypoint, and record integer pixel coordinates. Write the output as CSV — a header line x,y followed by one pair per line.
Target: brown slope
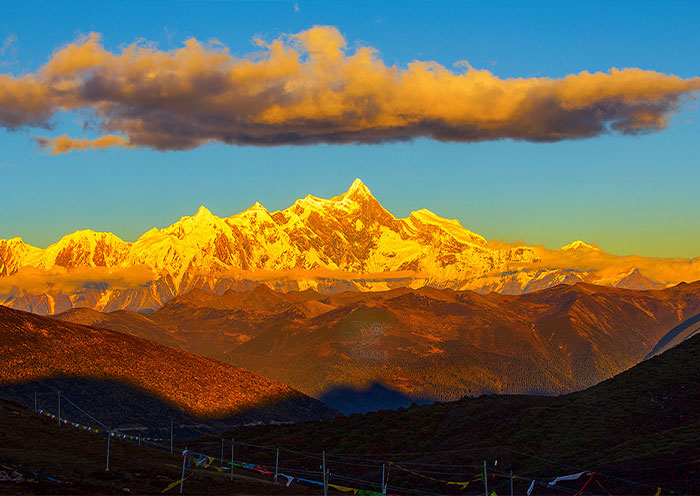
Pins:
x,y
34,347
126,321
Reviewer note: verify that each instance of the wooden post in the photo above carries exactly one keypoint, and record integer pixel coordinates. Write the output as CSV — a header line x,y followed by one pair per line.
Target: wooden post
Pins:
x,y
59,408
222,450
171,435
35,407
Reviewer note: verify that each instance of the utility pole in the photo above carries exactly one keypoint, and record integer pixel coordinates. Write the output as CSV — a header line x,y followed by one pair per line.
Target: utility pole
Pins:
x,y
59,408
171,435
486,482
182,477
277,462
232,443
383,478
325,475
511,482
109,438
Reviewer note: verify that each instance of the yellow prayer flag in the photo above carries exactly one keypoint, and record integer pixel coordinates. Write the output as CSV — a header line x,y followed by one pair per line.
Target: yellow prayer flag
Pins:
x,y
173,485
341,488
463,485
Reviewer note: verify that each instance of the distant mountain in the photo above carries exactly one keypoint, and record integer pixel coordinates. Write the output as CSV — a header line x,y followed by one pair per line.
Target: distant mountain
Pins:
x,y
35,348
685,330
349,242
418,345
637,432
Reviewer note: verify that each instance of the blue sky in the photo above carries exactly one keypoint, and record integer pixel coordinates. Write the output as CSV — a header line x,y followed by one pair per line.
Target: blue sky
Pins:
x,y
628,194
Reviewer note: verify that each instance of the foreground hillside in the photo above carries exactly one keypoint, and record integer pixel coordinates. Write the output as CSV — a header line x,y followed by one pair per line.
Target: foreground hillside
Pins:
x,y
637,431
420,344
34,348
64,460
348,242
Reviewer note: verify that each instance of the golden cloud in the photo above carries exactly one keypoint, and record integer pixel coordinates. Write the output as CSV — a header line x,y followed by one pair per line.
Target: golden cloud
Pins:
x,y
64,143
310,88
33,280
605,266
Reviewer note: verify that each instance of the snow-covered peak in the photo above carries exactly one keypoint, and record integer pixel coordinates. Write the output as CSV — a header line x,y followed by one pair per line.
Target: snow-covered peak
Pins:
x,y
150,233
255,211
82,248
87,239
358,188
579,245
203,213
425,217
357,193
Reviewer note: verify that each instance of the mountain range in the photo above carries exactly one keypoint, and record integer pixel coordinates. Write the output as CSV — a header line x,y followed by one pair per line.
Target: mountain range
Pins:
x,y
349,242
362,351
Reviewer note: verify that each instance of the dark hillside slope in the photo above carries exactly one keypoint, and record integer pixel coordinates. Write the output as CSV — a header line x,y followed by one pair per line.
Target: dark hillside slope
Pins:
x,y
642,425
40,450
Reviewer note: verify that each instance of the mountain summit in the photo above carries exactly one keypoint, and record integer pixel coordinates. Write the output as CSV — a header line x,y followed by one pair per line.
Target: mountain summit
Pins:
x,y
346,242
357,192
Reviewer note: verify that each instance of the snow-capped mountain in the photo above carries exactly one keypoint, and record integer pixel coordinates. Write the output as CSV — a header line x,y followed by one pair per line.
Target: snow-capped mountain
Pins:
x,y
346,242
